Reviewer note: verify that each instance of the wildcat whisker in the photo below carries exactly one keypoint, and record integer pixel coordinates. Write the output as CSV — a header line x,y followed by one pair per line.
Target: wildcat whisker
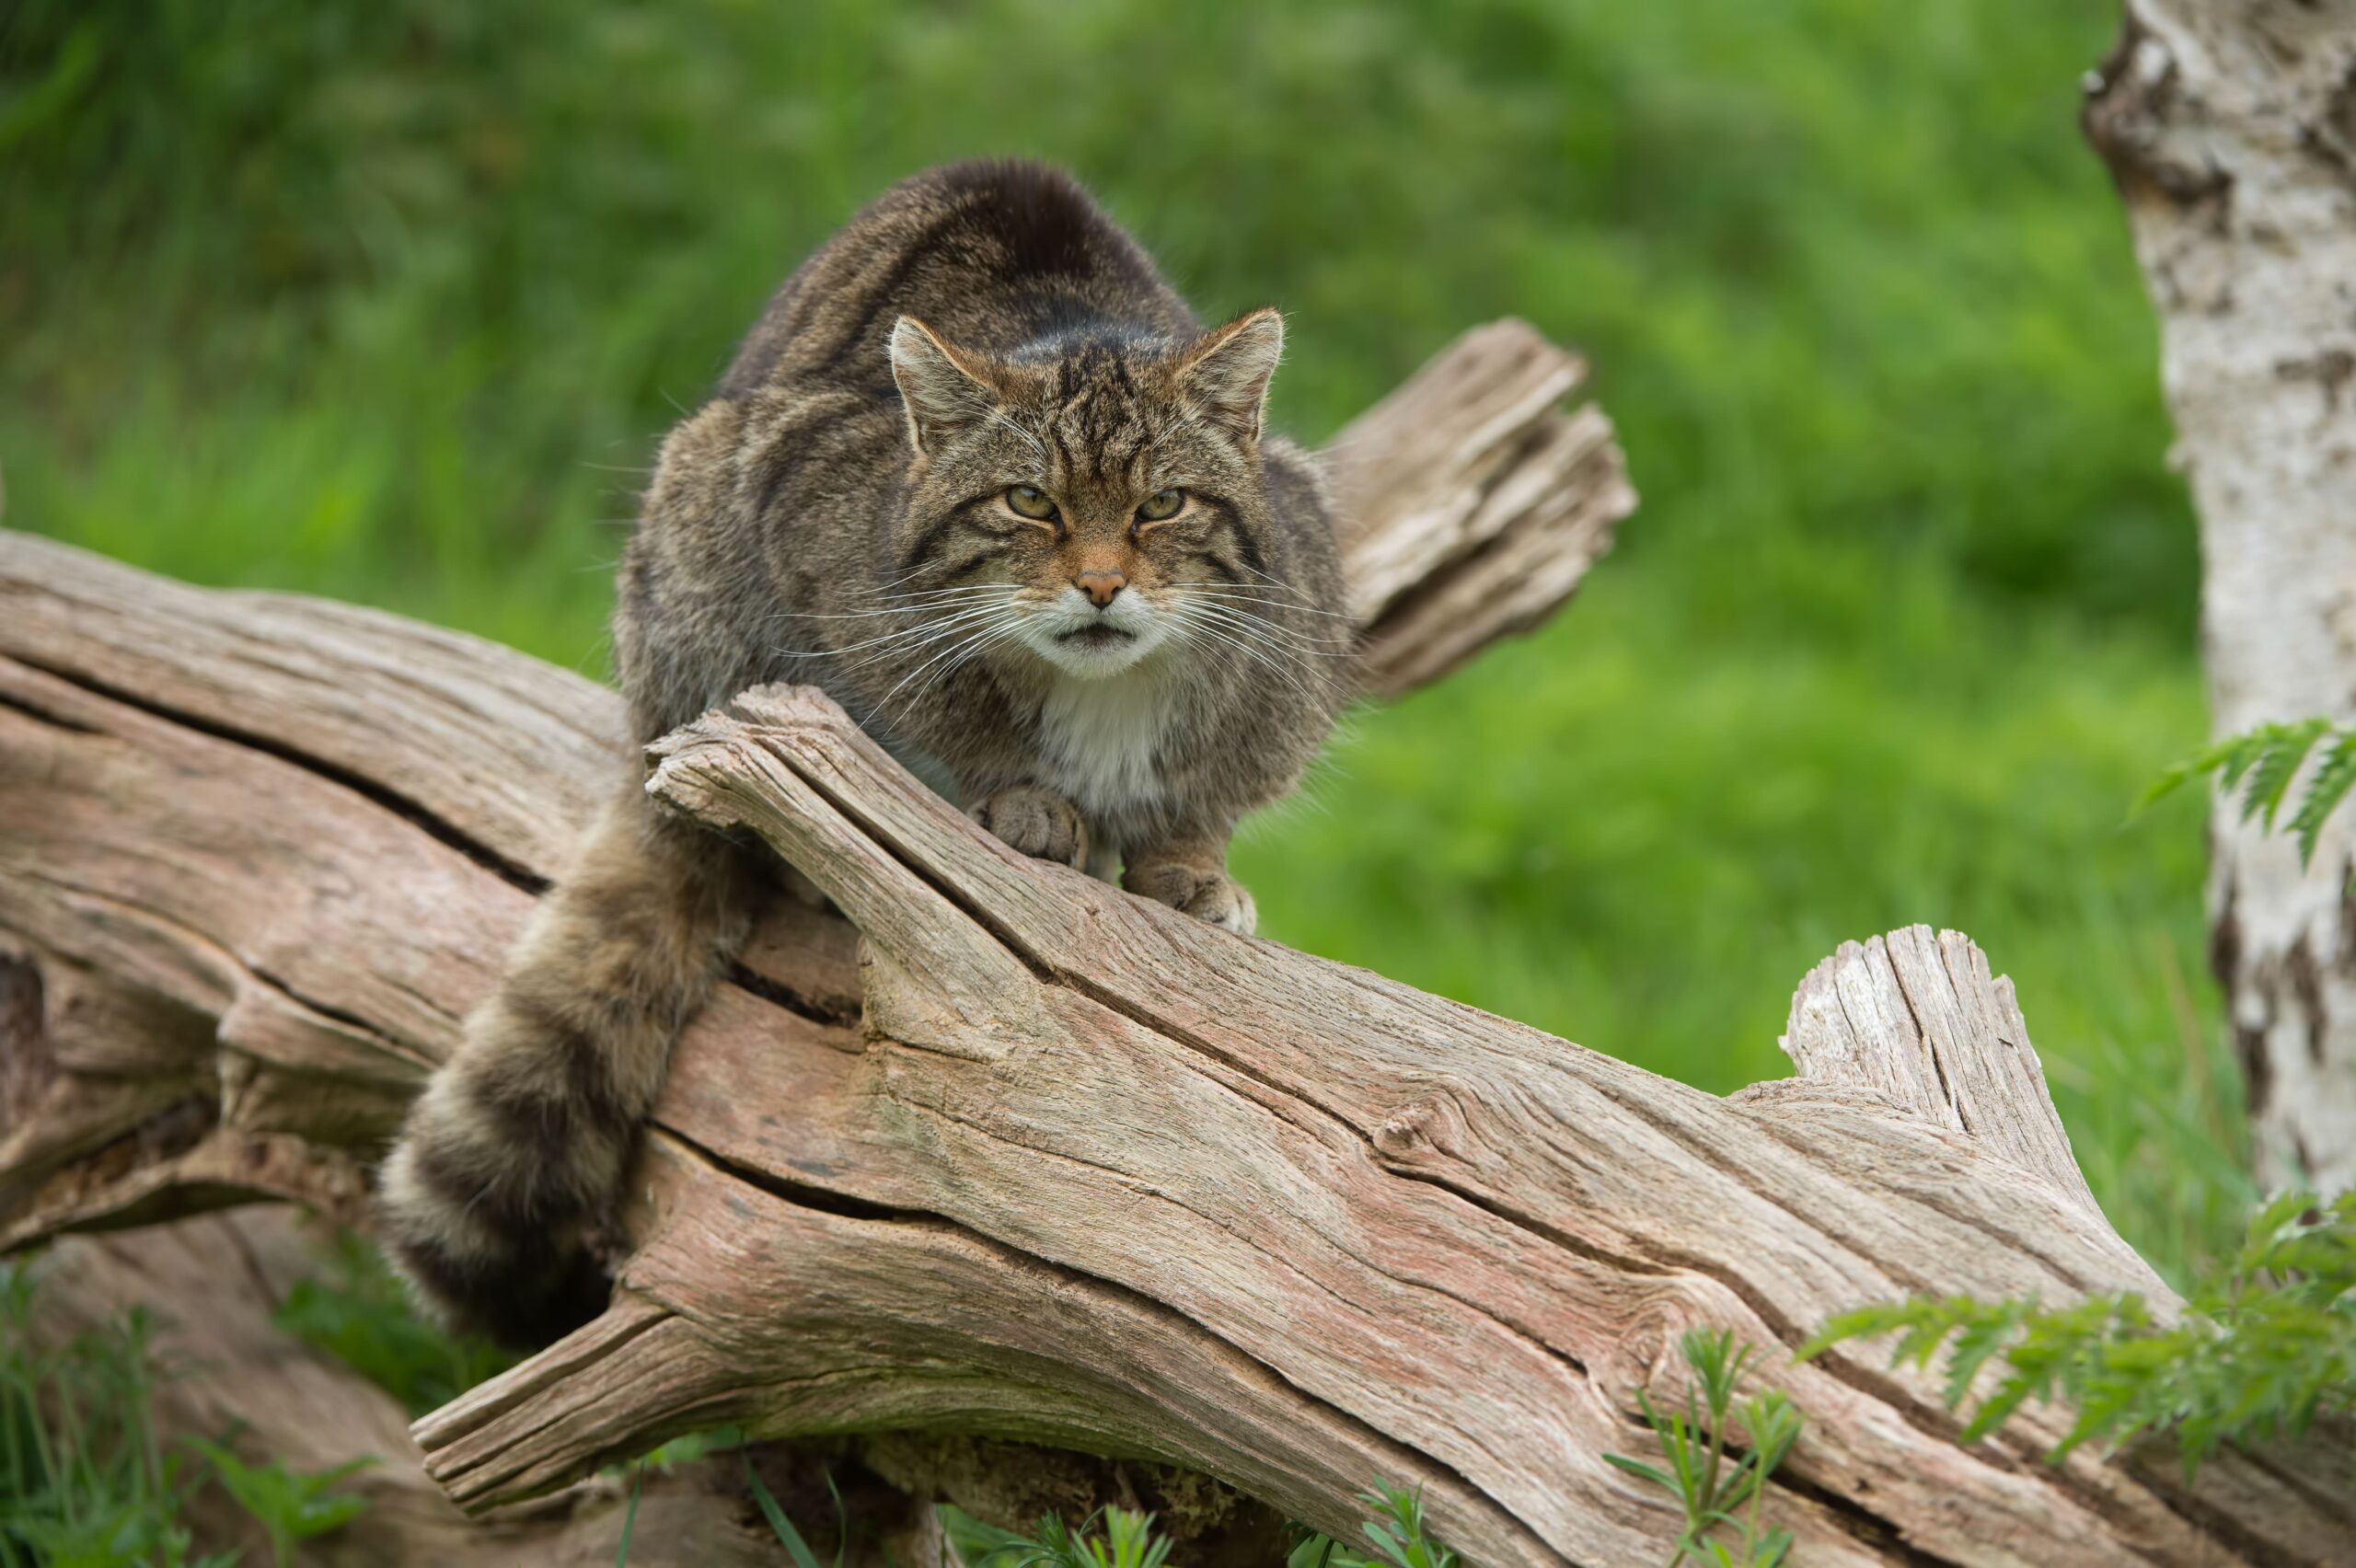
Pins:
x,y
1008,632
908,576
1294,641
1246,595
926,638
1274,581
1223,596
980,590
1038,445
1244,646
922,633
1259,632
942,596
938,657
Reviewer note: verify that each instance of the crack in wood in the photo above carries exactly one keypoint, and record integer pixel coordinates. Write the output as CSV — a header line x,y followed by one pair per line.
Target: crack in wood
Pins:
x,y
375,792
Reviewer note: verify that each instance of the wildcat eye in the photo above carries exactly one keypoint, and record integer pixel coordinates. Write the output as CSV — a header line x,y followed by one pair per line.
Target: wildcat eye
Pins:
x,y
1029,500
1163,507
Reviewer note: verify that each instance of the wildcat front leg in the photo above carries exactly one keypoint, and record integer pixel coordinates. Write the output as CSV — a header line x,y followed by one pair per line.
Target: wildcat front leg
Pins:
x,y
1190,874
1036,822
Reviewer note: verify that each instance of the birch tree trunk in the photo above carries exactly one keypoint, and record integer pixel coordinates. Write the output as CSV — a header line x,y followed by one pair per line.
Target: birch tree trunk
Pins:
x,y
2231,130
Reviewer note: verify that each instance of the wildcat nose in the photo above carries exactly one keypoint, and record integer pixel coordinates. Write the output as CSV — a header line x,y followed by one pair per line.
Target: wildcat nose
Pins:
x,y
1099,584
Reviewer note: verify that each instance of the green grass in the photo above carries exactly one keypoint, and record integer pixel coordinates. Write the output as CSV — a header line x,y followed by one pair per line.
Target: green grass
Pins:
x,y
352,1307
88,1479
393,304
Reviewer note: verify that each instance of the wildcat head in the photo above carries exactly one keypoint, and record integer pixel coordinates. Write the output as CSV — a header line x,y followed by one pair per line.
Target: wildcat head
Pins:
x,y
1092,503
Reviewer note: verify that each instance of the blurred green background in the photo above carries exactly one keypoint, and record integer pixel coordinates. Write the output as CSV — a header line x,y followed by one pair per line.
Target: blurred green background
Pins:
x,y
393,303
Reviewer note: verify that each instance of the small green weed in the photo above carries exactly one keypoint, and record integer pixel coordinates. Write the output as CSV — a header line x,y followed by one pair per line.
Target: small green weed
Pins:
x,y
1396,1532
721,1440
87,1479
782,1526
1697,1441
290,1506
355,1310
2255,1356
1128,1540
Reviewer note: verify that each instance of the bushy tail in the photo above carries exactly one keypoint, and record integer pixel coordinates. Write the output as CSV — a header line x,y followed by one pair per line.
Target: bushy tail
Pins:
x,y
516,1153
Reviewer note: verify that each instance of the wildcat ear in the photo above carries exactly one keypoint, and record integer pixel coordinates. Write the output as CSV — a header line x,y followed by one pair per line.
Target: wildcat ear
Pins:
x,y
945,389
1226,372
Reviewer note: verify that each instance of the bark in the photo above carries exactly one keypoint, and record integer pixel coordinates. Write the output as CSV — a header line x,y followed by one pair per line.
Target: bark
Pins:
x,y
2232,132
212,1283
1472,503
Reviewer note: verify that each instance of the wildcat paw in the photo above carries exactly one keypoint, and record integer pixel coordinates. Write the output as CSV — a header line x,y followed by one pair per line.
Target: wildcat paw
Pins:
x,y
1204,891
1036,822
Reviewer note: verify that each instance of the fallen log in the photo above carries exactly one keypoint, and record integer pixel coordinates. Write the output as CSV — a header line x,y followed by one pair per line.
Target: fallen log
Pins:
x,y
1008,1151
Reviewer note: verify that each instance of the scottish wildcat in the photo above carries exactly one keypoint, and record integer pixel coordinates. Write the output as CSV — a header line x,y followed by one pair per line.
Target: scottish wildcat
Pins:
x,y
980,475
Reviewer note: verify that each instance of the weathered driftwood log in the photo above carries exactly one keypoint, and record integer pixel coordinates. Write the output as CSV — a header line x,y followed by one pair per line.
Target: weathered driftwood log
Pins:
x,y
1472,503
211,1284
1021,1155
1050,1164
262,1057
1213,1201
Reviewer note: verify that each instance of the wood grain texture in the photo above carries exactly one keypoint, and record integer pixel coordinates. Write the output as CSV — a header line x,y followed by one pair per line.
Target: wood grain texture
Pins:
x,y
1072,1169
1919,1023
1007,1151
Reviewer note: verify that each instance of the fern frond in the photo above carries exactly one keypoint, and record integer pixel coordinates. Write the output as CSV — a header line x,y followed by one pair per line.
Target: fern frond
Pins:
x,y
2259,765
2260,1354
2276,763
2334,776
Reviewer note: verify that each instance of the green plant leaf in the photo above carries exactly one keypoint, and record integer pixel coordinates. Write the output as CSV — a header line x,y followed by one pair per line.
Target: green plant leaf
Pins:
x,y
2333,778
1638,1468
2276,763
630,1514
2260,1354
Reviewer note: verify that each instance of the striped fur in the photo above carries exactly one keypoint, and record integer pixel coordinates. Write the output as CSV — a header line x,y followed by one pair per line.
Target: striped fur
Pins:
x,y
1100,686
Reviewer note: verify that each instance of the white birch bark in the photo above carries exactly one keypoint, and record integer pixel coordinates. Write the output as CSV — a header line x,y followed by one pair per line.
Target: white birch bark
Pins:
x,y
2230,129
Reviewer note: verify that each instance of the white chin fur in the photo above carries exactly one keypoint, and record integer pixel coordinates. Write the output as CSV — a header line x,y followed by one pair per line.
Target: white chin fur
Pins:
x,y
1047,633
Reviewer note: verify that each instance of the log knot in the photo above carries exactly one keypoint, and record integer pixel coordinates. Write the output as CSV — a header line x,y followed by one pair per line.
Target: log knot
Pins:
x,y
1408,1131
